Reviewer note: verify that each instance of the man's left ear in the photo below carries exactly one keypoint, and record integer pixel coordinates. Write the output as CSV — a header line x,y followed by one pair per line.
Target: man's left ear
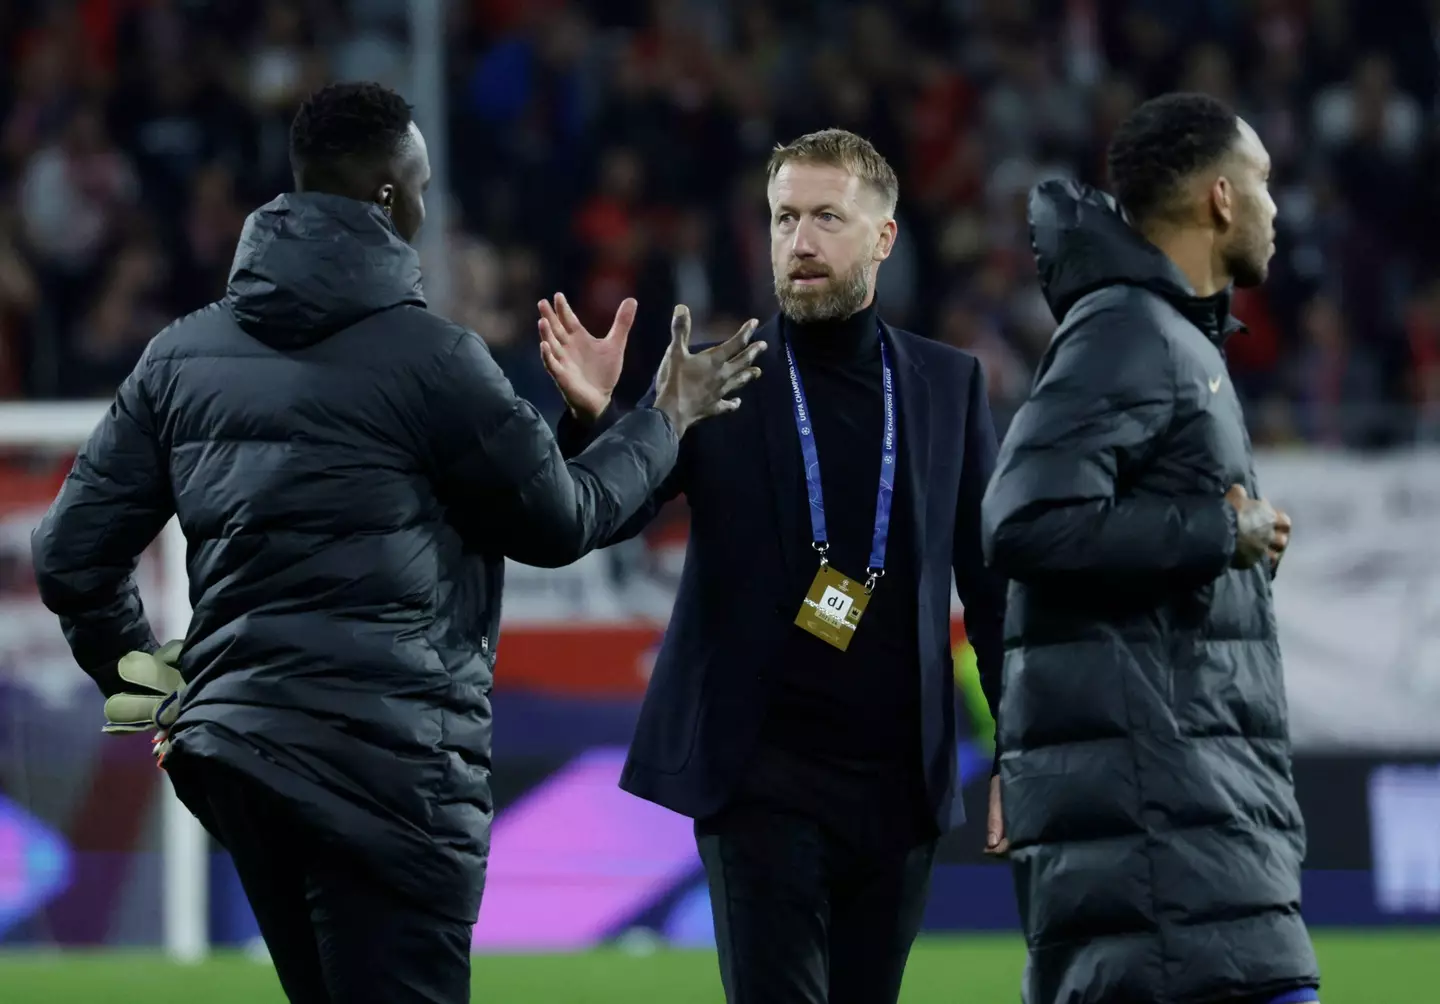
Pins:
x,y
1222,201
886,243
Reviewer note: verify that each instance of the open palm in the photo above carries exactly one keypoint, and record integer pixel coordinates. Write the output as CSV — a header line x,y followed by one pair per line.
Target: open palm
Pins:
x,y
585,368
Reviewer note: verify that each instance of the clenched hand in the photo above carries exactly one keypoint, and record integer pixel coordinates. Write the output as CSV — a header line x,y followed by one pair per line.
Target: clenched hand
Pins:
x,y
1262,531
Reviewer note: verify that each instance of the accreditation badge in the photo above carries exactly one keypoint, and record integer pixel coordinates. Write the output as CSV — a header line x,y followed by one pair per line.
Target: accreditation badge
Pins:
x,y
833,607
835,603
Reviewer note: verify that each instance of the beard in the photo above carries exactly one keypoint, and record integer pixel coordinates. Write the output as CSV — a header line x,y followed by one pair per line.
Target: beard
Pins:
x,y
1249,267
838,297
1247,259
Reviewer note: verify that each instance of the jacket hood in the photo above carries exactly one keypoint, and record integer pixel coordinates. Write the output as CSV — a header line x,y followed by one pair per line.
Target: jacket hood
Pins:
x,y
1082,242
309,265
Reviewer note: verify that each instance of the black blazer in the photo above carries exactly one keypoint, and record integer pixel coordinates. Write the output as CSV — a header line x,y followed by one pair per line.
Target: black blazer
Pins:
x,y
703,710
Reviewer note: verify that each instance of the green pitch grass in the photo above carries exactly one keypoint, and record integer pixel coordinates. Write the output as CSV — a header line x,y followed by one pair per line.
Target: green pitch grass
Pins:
x,y
1388,967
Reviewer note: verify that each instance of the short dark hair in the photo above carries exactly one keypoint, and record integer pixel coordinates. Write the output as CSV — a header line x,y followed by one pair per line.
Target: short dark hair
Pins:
x,y
343,127
1163,142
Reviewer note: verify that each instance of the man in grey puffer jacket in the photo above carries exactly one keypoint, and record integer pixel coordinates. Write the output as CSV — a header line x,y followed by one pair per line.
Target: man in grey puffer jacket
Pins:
x,y
1148,802
351,472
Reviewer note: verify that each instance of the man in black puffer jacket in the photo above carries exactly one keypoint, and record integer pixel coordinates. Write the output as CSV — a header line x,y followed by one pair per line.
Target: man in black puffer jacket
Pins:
x,y
350,472
1148,803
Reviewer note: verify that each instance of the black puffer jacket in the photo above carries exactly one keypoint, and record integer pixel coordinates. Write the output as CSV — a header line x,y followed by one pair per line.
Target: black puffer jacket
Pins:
x,y
350,471
1146,769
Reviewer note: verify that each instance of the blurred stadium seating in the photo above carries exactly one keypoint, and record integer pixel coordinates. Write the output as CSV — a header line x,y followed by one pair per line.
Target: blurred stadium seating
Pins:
x,y
611,148
614,148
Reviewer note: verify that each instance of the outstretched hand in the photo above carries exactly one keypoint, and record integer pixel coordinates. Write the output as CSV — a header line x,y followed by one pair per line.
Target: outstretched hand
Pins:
x,y
584,368
692,386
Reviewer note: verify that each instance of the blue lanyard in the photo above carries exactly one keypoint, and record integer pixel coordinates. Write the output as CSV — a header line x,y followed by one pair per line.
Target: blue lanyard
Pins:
x,y
888,452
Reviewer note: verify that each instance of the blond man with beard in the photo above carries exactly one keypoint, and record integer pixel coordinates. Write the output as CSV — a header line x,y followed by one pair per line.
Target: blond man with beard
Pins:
x,y
802,708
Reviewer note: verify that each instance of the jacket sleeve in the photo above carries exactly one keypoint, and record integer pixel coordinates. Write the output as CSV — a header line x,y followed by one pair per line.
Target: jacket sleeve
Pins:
x,y
575,436
498,463
981,589
1056,510
114,502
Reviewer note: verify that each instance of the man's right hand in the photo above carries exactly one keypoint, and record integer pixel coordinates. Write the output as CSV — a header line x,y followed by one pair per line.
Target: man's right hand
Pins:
x,y
996,843
693,386
153,685
585,368
1259,531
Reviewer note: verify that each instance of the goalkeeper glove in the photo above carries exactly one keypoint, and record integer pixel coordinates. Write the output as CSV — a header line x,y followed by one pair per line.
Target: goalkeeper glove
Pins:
x,y
154,702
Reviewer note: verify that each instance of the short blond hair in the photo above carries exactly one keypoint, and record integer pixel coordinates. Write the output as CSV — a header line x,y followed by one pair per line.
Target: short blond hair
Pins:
x,y
845,150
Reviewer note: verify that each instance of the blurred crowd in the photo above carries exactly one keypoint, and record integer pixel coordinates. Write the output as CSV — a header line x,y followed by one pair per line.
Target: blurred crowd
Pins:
x,y
616,148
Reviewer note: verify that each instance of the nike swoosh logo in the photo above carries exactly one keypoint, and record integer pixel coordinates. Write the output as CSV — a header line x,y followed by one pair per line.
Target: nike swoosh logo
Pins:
x,y
1215,385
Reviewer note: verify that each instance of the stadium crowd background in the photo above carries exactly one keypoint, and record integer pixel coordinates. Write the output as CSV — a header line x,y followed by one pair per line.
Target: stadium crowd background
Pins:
x,y
616,148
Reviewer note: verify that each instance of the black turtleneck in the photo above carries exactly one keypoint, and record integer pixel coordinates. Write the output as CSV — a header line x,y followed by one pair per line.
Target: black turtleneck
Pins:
x,y
842,733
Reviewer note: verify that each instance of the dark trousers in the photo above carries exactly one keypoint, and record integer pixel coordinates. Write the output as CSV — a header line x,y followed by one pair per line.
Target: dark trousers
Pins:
x,y
802,916
335,935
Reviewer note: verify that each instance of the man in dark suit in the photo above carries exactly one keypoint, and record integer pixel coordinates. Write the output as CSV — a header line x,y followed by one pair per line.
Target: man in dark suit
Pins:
x,y
802,707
